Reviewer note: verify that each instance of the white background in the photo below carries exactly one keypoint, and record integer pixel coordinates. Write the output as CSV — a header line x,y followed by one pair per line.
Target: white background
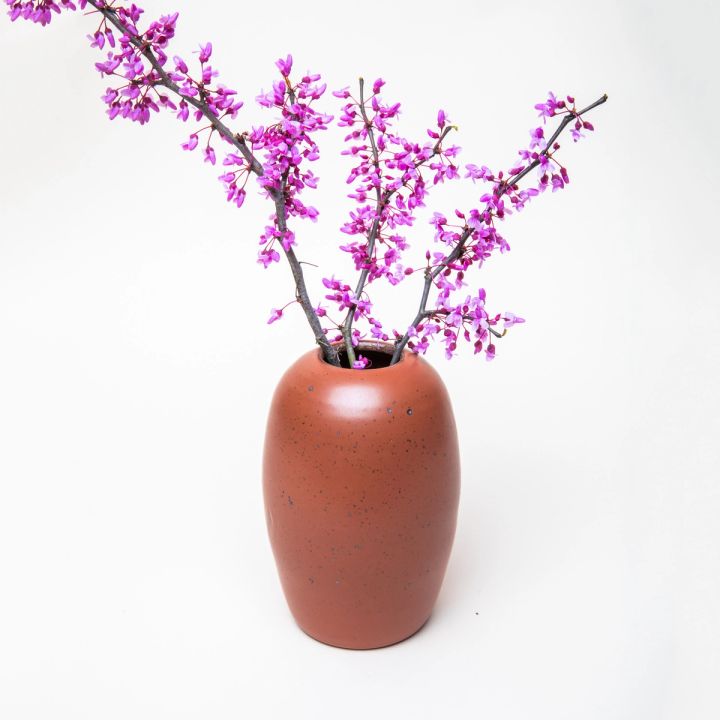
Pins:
x,y
136,368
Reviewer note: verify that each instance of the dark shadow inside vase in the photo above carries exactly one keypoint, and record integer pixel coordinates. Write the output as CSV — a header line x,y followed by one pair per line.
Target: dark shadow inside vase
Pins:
x,y
377,358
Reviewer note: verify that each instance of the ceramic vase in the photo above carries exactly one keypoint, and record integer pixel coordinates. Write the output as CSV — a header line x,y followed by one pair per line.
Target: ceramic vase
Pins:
x,y
361,483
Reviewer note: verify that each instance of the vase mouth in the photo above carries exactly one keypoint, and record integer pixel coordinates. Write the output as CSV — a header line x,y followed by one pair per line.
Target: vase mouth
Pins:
x,y
379,354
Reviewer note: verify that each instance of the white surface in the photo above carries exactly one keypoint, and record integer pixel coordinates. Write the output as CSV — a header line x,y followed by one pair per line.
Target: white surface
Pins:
x,y
136,577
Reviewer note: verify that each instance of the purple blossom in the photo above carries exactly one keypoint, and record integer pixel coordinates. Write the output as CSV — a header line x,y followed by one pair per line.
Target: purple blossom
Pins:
x,y
479,173
509,319
190,143
267,256
341,293
40,11
550,107
537,138
285,66
205,53
274,315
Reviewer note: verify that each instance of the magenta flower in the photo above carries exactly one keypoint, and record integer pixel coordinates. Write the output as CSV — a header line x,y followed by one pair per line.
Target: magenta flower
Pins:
x,y
509,319
267,256
210,155
275,315
537,137
550,107
205,53
285,66
190,143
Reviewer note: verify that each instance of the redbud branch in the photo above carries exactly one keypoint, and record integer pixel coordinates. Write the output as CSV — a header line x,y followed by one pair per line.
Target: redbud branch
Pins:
x,y
254,165
329,351
381,202
372,235
548,147
430,275
465,318
458,250
237,140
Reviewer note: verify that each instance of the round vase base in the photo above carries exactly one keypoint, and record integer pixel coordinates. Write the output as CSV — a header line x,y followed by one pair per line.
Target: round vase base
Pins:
x,y
357,644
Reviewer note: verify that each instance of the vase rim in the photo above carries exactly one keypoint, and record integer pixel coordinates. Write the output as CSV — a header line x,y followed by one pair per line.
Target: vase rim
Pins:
x,y
379,346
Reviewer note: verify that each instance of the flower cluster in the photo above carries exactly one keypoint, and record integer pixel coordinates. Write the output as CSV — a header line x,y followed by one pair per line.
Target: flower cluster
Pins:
x,y
358,305
390,177
40,12
136,93
288,145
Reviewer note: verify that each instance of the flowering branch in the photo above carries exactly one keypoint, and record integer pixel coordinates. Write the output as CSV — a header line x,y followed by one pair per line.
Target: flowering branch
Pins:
x,y
381,199
365,256
473,229
570,117
282,142
430,276
239,142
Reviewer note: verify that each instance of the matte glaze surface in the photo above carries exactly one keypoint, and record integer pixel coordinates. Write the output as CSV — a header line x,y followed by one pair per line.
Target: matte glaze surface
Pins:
x,y
361,483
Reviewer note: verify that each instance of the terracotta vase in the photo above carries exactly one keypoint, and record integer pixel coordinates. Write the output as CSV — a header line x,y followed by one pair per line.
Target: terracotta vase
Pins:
x,y
361,484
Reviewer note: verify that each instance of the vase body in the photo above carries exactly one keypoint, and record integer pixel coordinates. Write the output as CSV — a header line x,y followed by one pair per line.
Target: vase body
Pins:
x,y
361,482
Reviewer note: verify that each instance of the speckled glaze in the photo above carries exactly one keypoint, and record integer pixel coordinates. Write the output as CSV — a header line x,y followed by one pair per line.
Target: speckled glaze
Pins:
x,y
361,483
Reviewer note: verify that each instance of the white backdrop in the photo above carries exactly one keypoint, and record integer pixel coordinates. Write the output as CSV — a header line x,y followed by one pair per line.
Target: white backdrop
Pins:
x,y
136,368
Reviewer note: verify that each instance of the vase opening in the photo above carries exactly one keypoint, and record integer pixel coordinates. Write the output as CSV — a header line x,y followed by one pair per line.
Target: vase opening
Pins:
x,y
378,355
